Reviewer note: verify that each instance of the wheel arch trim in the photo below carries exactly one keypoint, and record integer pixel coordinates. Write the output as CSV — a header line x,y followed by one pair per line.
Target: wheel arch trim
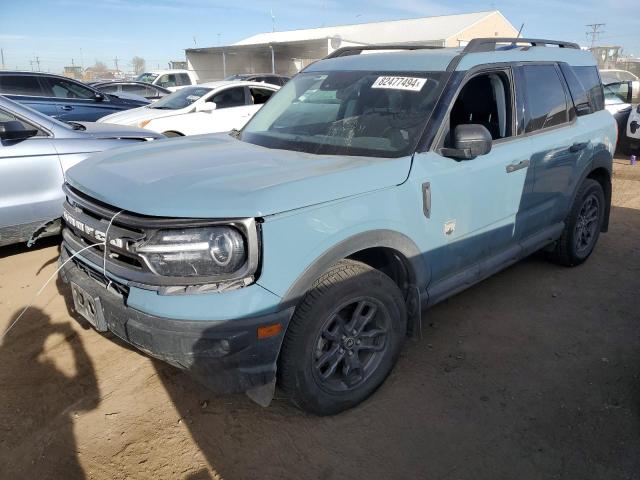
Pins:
x,y
381,238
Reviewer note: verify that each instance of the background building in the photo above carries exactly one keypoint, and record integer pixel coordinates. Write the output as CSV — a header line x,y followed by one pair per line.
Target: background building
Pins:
x,y
289,51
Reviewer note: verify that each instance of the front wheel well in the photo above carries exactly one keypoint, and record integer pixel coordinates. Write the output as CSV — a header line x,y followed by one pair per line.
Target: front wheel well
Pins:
x,y
390,262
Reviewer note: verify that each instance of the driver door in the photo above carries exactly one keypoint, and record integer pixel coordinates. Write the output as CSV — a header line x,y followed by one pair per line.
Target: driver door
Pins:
x,y
474,204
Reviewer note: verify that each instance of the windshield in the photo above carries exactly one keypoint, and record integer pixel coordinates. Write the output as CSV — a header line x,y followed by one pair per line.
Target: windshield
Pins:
x,y
347,113
180,99
147,77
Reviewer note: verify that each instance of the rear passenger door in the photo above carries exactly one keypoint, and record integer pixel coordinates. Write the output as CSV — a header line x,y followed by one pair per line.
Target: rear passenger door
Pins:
x,y
75,101
28,90
559,145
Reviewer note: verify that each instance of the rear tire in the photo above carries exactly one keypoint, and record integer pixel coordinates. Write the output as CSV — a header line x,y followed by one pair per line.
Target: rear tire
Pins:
x,y
343,340
582,225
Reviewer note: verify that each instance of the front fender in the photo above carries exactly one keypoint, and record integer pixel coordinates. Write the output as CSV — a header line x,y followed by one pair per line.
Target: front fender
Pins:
x,y
299,246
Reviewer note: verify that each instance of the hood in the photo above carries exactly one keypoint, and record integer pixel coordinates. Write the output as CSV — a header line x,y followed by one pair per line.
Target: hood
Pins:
x,y
108,131
217,176
136,115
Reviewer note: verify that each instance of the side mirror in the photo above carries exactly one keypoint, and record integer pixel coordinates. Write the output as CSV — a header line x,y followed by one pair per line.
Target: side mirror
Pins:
x,y
206,107
633,126
470,141
98,97
14,130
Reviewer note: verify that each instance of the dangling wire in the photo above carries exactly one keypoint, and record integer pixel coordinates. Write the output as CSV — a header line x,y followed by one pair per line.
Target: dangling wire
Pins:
x,y
53,275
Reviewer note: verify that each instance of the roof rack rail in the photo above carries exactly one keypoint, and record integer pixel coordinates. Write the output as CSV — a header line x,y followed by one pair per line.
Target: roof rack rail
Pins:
x,y
356,50
489,44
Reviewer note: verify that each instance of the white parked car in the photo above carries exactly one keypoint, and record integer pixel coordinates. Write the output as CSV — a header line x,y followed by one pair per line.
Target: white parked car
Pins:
x,y
618,101
613,76
207,108
170,79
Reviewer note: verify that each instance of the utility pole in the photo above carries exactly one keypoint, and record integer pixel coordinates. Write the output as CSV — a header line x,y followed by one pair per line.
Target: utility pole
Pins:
x,y
38,62
595,32
2,55
31,63
115,60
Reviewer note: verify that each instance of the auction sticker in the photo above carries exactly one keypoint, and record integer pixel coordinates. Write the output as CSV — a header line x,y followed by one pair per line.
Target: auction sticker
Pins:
x,y
413,84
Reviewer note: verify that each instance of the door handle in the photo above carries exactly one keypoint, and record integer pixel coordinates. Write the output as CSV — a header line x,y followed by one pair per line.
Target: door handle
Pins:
x,y
576,147
66,108
517,166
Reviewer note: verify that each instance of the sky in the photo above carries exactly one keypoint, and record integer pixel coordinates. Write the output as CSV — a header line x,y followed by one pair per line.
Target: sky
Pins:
x,y
57,32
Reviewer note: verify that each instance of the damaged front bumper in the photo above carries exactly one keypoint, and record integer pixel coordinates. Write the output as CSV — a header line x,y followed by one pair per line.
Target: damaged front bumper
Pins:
x,y
225,355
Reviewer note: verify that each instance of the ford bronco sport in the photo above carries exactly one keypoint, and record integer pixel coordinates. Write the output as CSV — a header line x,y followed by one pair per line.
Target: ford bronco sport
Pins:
x,y
376,182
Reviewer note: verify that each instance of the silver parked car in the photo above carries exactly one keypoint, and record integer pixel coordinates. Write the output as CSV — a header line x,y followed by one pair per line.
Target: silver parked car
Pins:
x,y
35,152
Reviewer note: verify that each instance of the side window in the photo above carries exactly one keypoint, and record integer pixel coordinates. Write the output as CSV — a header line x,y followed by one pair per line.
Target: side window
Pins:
x,y
140,90
485,100
61,88
167,80
109,88
6,118
20,85
260,95
152,92
585,88
183,79
231,97
546,102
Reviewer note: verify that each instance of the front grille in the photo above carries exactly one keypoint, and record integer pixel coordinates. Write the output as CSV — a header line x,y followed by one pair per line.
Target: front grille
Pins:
x,y
86,223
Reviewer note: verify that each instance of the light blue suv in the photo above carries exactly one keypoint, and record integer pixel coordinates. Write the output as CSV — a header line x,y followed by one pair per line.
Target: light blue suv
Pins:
x,y
377,182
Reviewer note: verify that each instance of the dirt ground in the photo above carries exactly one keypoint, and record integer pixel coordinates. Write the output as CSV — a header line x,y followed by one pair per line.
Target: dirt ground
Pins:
x,y
532,374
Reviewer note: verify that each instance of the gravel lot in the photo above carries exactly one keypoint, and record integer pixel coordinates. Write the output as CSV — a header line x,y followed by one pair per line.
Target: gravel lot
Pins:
x,y
532,374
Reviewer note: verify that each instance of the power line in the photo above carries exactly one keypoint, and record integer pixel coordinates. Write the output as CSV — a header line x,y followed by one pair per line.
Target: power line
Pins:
x,y
595,32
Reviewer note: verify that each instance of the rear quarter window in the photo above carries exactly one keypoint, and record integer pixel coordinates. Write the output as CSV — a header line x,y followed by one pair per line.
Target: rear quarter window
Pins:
x,y
585,88
20,85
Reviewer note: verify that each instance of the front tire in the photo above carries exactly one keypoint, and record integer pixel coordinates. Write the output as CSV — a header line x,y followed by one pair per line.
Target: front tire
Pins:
x,y
343,339
582,225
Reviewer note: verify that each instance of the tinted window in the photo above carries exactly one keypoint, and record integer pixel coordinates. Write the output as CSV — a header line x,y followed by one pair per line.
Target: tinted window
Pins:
x,y
109,88
168,80
273,80
231,97
7,117
61,88
183,79
180,99
585,87
140,90
20,85
546,103
260,95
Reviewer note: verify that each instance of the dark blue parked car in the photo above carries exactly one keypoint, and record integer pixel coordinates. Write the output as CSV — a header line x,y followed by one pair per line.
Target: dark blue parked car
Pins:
x,y
61,97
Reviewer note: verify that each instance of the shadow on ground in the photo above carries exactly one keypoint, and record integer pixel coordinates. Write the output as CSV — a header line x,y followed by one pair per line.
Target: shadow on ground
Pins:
x,y
39,401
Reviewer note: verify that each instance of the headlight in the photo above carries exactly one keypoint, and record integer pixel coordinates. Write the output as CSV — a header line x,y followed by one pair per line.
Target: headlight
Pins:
x,y
195,252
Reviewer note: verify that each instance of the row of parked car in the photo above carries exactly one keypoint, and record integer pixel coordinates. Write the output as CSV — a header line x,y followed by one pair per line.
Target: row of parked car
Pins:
x,y
48,124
